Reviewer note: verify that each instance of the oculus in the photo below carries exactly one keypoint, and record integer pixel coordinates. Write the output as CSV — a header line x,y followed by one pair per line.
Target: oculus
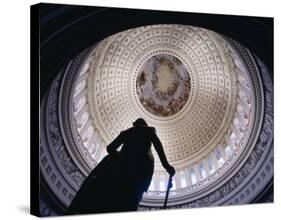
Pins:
x,y
163,85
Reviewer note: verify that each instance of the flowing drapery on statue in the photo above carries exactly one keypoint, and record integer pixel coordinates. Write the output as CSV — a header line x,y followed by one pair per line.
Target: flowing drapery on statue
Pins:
x,y
118,182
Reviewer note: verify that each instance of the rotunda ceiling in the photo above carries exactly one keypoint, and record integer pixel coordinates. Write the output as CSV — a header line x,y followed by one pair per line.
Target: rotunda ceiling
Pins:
x,y
198,96
188,82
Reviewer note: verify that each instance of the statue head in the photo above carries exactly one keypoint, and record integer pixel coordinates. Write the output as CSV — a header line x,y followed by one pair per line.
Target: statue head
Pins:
x,y
139,122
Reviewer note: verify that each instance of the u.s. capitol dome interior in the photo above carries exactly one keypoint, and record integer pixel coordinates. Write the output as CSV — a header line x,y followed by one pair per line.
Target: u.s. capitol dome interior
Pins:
x,y
210,98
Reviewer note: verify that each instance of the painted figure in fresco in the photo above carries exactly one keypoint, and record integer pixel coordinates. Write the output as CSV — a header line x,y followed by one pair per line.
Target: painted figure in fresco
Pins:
x,y
120,179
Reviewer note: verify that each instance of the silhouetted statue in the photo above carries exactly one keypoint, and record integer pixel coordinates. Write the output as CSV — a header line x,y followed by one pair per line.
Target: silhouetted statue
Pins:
x,y
118,182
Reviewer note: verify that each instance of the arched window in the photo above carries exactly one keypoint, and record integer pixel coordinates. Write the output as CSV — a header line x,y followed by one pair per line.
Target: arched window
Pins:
x,y
79,104
82,120
211,165
93,149
79,87
162,185
88,134
84,69
228,151
218,154
193,177
219,157
202,171
183,179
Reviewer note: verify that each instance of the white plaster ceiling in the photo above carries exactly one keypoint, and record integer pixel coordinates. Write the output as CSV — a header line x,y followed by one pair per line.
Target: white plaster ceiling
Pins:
x,y
216,115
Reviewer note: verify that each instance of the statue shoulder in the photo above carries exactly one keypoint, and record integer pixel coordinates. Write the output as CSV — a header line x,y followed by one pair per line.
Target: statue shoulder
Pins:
x,y
152,129
126,131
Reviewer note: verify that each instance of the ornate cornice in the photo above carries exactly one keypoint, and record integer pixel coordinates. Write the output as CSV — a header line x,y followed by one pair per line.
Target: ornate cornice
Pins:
x,y
56,164
65,111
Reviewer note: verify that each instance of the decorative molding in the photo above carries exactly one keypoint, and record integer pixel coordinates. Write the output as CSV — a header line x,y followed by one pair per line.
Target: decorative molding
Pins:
x,y
65,112
56,164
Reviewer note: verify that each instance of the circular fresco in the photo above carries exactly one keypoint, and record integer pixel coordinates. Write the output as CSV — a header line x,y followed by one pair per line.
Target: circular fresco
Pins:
x,y
163,85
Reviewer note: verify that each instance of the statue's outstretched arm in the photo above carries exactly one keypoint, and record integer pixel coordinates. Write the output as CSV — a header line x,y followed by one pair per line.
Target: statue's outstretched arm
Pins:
x,y
160,151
